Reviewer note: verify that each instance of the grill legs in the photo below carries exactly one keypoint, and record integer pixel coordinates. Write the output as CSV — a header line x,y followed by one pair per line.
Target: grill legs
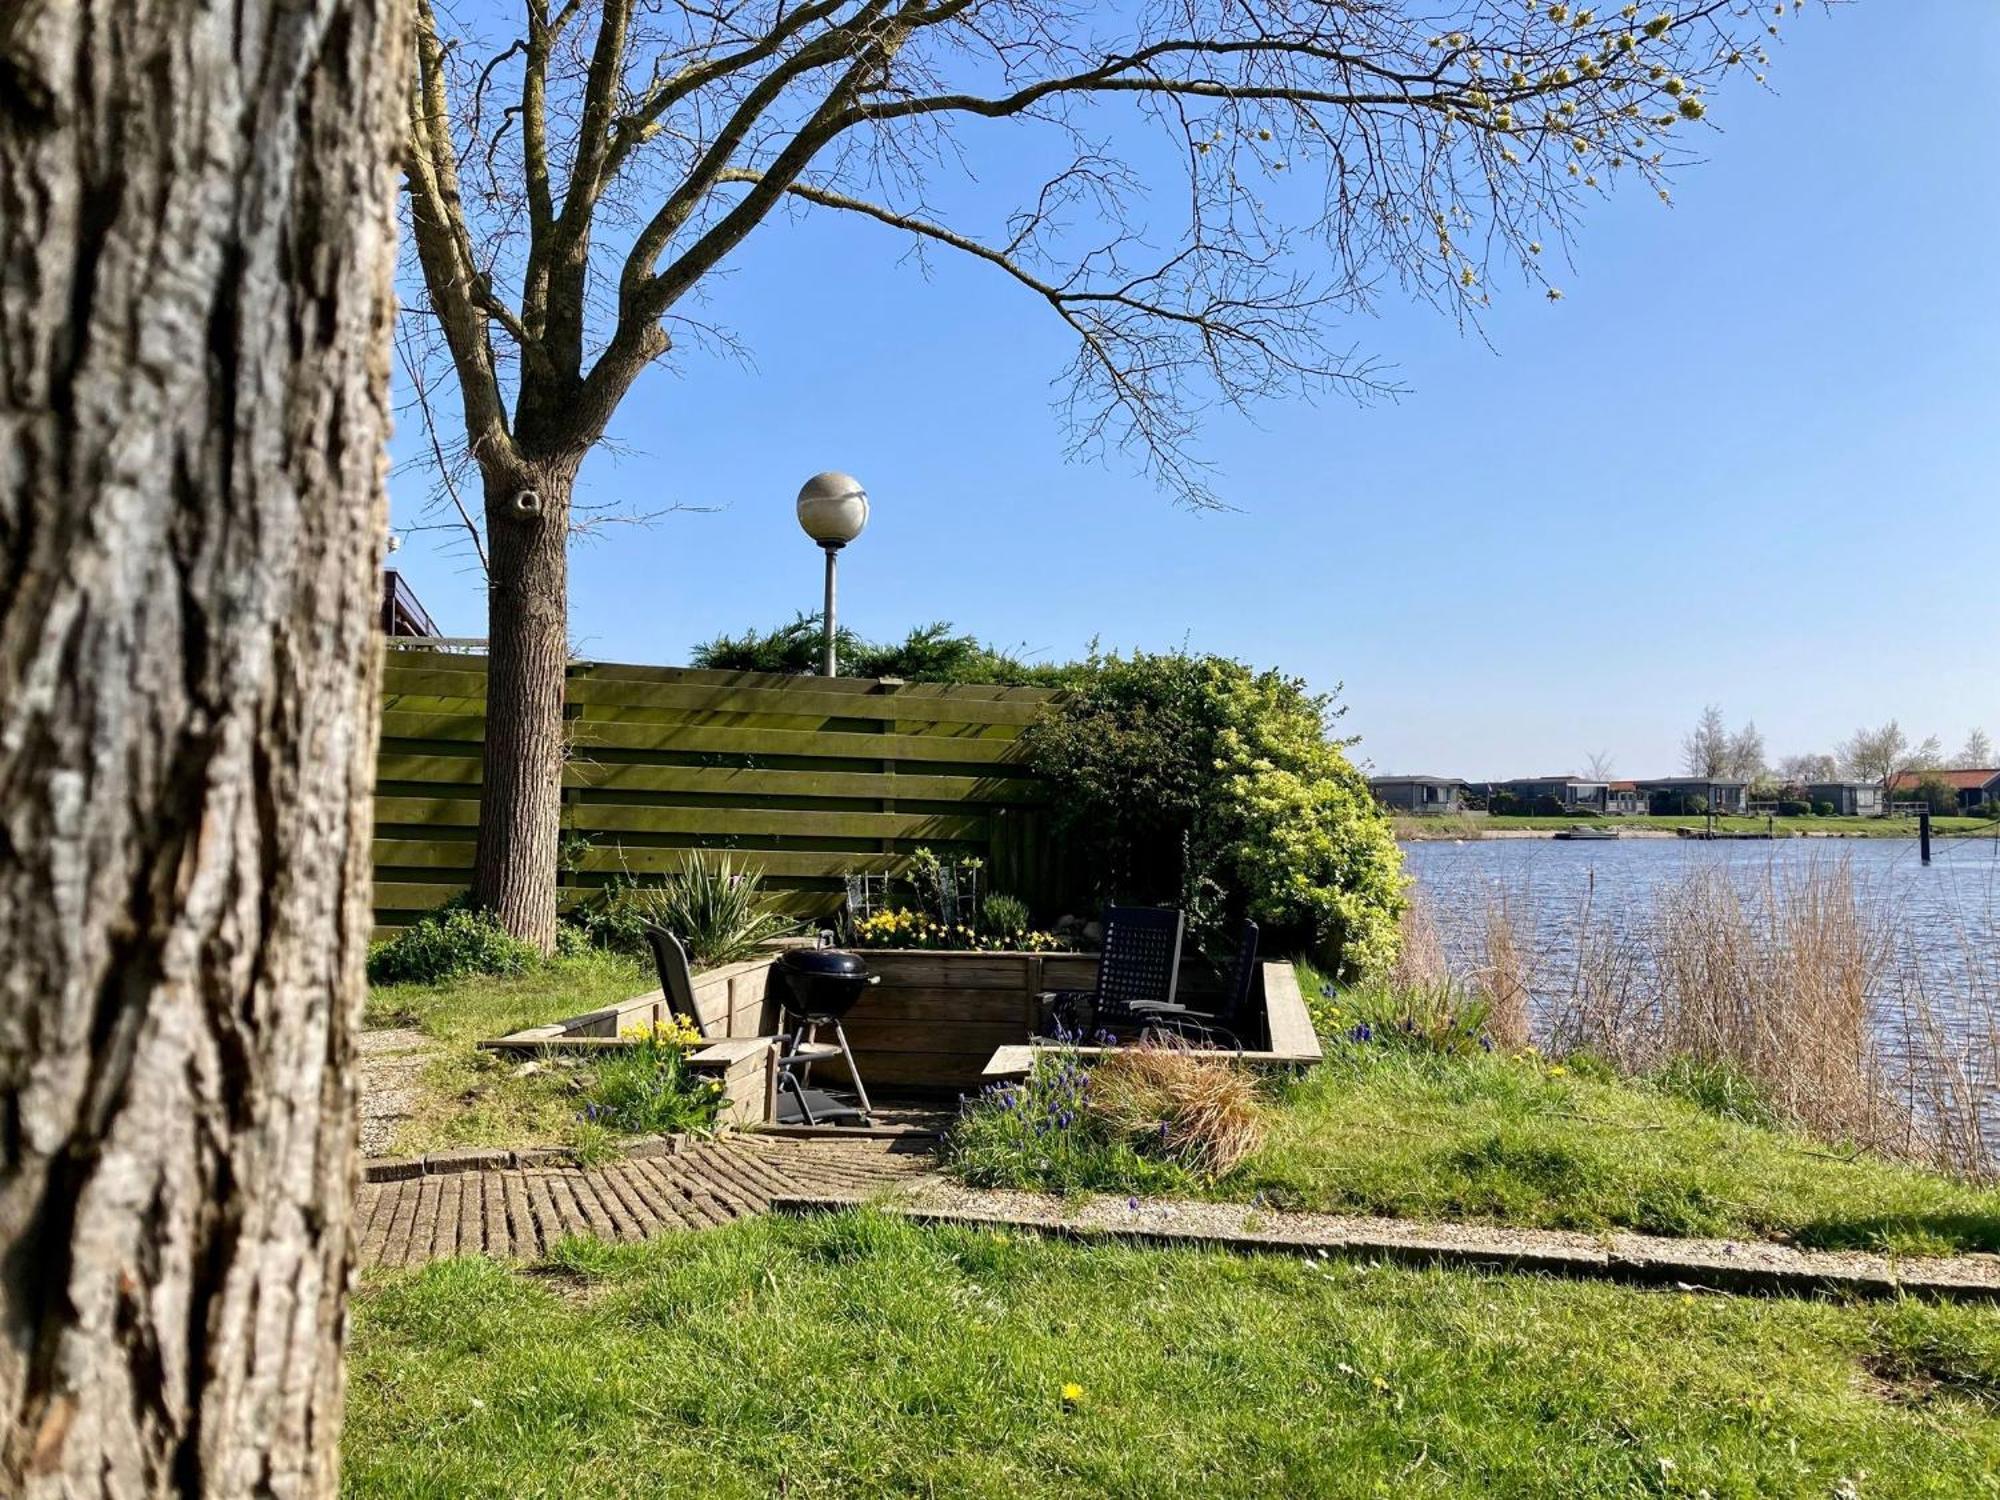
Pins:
x,y
806,1034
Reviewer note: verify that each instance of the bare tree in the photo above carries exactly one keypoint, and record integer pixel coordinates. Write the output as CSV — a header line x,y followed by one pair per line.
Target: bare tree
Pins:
x,y
1600,765
1804,770
1977,753
196,223
1746,754
1705,748
1883,755
1218,184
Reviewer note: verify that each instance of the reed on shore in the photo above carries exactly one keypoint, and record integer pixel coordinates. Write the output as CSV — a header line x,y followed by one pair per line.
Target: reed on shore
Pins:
x,y
1790,983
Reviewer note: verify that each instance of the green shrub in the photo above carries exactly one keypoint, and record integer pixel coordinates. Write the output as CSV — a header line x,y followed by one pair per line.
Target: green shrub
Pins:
x,y
1679,804
1195,782
1823,809
719,912
610,917
451,943
797,649
929,653
1004,916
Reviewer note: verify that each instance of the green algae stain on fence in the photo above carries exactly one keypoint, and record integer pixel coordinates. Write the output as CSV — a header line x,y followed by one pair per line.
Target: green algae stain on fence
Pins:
x,y
808,778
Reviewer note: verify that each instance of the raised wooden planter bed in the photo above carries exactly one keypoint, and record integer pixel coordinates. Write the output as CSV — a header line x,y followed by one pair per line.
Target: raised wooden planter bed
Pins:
x,y
735,1007
940,1023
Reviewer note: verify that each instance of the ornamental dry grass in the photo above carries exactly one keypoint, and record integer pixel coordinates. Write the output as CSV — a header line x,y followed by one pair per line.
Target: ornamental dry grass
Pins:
x,y
1199,1108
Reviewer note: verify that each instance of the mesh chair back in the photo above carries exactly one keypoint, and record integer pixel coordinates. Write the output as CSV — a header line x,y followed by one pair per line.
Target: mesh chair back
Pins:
x,y
676,976
1236,1005
1141,960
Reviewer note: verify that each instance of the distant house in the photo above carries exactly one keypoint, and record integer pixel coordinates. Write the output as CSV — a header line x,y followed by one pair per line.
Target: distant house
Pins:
x,y
1419,794
1975,788
1681,794
1849,799
1563,793
1624,798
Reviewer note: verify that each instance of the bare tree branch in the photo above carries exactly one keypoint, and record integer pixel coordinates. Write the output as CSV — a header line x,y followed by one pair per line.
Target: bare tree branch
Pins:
x,y
1327,155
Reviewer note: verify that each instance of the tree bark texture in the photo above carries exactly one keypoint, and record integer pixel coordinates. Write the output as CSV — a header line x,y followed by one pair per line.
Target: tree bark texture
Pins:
x,y
520,790
196,252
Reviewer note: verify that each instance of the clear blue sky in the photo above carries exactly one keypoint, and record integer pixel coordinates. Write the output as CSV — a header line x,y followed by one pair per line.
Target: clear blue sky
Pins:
x,y
1748,460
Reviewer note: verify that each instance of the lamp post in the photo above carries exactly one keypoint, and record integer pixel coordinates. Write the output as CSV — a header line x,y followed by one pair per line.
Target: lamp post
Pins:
x,y
832,509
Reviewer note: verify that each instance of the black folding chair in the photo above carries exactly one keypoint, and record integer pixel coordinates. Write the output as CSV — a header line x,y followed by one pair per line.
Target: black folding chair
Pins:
x,y
676,977
798,1102
1137,972
1225,1027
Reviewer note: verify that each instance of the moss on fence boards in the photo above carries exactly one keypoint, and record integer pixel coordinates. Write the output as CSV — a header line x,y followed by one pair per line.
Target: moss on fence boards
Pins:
x,y
809,778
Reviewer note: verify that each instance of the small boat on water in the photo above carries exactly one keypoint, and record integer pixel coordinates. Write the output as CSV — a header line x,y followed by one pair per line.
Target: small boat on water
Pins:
x,y
1580,831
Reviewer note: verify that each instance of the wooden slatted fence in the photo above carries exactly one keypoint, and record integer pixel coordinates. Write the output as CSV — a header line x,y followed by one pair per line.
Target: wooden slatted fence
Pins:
x,y
809,778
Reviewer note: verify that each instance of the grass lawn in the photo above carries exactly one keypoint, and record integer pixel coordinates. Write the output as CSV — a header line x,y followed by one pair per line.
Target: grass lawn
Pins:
x,y
473,1098
1513,1142
1417,1135
858,1356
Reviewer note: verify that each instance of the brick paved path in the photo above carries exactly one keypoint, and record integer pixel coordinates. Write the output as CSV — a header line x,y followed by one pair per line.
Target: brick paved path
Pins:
x,y
522,1213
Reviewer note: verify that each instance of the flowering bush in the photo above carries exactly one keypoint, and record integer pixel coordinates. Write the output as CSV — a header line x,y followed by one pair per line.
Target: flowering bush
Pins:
x,y
904,928
1195,782
648,1088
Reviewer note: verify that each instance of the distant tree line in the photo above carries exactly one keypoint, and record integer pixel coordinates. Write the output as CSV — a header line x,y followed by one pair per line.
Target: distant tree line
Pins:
x,y
1883,755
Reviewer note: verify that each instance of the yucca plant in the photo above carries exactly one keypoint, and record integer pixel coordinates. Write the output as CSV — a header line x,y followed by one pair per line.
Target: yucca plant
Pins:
x,y
719,912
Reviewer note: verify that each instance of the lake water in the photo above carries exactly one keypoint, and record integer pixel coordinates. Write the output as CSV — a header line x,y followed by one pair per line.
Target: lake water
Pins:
x,y
1947,915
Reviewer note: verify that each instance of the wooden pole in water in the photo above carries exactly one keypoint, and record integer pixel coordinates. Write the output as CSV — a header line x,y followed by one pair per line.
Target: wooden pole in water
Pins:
x,y
1924,835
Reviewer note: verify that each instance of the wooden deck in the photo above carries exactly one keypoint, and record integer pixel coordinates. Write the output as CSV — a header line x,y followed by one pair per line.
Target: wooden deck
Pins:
x,y
521,1214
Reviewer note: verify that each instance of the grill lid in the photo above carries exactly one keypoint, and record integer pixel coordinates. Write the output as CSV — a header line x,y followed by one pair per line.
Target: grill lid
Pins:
x,y
829,963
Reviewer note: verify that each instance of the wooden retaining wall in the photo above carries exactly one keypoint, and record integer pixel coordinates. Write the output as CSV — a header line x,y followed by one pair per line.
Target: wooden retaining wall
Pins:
x,y
809,778
936,1018
940,1022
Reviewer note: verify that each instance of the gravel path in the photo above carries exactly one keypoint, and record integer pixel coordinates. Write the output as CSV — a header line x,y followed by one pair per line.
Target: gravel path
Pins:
x,y
1693,1264
390,1062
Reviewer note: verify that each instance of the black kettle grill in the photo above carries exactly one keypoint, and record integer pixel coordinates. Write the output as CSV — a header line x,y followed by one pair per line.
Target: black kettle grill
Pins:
x,y
820,986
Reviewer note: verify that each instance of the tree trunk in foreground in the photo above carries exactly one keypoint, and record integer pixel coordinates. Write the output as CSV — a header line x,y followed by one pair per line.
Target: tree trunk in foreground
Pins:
x,y
196,250
520,790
